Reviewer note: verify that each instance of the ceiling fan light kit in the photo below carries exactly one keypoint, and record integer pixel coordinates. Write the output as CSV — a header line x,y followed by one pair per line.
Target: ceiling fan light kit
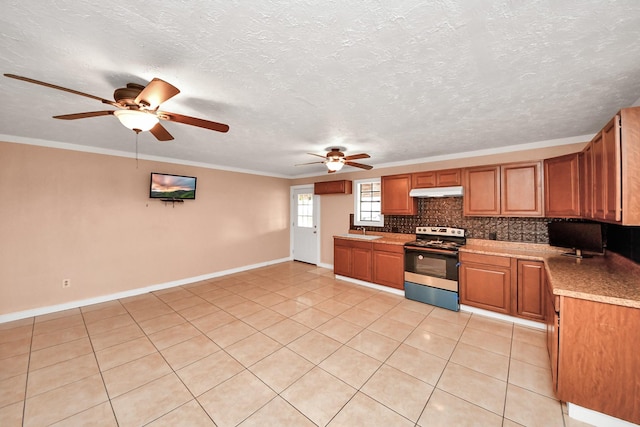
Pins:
x,y
334,165
137,121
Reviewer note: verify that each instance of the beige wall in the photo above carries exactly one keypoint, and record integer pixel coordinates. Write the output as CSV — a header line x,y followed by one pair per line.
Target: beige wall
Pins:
x,y
335,208
87,217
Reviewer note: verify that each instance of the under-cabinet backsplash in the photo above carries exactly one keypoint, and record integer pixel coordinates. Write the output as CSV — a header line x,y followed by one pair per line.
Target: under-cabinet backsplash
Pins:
x,y
447,212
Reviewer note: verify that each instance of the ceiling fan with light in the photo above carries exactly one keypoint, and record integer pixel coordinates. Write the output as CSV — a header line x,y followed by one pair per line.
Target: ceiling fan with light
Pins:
x,y
335,159
137,107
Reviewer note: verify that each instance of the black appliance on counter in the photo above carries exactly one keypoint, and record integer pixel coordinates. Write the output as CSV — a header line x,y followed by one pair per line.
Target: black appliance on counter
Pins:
x,y
431,266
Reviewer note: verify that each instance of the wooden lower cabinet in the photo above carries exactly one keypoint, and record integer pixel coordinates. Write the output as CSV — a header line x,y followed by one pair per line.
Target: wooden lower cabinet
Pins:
x,y
531,289
503,284
598,365
486,282
361,259
388,265
379,263
552,320
352,258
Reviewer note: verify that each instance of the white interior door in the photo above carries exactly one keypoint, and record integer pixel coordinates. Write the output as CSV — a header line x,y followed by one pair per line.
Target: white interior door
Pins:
x,y
304,215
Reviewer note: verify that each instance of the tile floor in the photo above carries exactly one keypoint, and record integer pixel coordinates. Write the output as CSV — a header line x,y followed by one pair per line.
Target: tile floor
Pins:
x,y
284,345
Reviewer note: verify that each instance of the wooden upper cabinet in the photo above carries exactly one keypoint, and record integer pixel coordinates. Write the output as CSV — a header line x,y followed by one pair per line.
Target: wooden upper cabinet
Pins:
x,y
441,178
615,170
482,191
395,195
509,190
586,182
562,186
423,179
599,174
333,187
449,178
522,189
612,159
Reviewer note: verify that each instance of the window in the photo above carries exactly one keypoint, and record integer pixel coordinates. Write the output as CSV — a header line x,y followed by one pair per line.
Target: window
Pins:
x,y
368,203
305,210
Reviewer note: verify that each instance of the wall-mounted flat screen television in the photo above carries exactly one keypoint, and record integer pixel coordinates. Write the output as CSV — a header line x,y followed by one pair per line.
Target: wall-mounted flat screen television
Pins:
x,y
172,187
579,236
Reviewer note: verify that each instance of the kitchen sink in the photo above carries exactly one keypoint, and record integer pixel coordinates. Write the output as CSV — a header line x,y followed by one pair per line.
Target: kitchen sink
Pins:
x,y
360,236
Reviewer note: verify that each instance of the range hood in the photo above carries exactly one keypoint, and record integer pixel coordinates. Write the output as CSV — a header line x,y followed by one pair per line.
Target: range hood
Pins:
x,y
437,192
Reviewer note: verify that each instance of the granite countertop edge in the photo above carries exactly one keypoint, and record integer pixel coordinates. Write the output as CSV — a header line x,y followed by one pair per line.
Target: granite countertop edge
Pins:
x,y
608,278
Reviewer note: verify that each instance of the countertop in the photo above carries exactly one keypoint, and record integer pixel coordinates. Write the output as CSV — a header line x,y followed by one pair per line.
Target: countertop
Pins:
x,y
388,238
608,278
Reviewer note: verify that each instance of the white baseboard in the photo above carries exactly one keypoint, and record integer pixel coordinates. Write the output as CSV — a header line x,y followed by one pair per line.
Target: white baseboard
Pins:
x,y
327,266
371,285
595,418
504,317
133,292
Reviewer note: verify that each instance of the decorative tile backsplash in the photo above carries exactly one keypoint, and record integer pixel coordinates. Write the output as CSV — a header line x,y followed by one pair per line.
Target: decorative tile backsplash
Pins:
x,y
447,212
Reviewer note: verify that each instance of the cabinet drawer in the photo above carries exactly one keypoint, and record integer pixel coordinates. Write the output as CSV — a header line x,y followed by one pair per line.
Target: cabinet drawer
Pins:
x,y
501,261
387,247
352,243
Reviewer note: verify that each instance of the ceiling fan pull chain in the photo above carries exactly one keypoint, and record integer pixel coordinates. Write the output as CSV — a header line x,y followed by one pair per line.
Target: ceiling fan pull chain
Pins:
x,y
137,133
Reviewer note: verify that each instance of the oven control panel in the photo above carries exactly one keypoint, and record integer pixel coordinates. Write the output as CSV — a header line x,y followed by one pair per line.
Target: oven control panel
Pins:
x,y
441,231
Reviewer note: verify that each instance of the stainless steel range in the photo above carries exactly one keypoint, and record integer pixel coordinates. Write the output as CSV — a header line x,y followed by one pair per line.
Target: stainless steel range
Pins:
x,y
431,266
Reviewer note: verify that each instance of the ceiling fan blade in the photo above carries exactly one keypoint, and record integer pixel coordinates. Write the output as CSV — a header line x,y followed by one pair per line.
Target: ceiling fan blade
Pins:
x,y
160,133
317,155
310,163
156,92
84,115
330,171
357,156
173,117
359,165
52,86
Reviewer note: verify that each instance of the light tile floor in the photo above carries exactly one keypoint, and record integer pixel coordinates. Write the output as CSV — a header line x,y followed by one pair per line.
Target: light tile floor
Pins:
x,y
284,345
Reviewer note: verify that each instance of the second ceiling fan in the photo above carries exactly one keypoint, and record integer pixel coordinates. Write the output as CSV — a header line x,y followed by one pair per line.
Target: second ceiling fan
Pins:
x,y
335,159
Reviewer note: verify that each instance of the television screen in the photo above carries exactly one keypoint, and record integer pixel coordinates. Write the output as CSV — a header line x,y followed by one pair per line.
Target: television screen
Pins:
x,y
581,236
165,186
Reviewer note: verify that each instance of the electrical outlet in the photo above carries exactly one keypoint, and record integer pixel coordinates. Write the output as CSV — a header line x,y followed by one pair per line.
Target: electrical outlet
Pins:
x,y
66,283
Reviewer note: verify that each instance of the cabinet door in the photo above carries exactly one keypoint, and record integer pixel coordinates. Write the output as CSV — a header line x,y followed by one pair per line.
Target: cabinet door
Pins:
x,y
486,286
531,289
482,191
599,367
599,177
562,187
552,320
612,159
521,192
333,187
423,179
388,269
341,259
395,195
448,178
361,264
586,182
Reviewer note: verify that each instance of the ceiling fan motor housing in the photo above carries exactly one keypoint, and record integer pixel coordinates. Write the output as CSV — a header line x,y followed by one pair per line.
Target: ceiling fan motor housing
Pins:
x,y
126,96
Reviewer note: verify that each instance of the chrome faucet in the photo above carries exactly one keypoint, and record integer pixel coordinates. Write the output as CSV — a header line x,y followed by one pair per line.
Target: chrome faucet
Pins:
x,y
364,230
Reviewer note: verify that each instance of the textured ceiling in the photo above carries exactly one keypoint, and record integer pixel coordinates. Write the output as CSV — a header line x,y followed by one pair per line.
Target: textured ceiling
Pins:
x,y
401,80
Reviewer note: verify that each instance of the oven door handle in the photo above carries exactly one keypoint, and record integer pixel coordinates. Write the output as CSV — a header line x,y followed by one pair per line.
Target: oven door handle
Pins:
x,y
437,251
